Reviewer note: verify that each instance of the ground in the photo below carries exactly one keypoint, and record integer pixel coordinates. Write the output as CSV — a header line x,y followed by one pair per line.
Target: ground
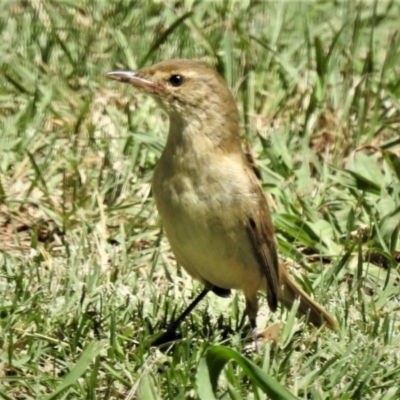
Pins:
x,y
87,277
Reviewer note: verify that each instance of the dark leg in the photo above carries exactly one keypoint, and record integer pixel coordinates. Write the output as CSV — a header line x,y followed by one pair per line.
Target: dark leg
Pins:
x,y
170,333
251,309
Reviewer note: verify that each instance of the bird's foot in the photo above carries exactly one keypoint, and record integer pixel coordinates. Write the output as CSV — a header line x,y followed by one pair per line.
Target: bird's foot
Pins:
x,y
269,335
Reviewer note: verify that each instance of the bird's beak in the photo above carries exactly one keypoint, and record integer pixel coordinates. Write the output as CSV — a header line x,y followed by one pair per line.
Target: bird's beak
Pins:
x,y
134,79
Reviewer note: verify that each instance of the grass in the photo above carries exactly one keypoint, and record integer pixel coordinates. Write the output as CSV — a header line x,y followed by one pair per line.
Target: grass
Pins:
x,y
87,277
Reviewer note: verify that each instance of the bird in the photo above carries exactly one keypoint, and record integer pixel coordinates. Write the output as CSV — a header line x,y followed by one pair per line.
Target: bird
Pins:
x,y
212,206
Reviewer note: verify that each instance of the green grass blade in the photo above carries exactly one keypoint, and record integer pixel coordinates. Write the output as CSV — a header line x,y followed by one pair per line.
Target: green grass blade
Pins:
x,y
212,364
82,365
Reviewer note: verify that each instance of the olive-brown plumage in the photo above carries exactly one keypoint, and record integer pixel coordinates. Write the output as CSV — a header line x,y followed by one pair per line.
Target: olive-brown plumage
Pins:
x,y
212,206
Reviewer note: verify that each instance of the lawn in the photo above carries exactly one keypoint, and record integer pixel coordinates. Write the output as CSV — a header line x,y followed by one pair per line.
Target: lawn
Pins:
x,y
87,278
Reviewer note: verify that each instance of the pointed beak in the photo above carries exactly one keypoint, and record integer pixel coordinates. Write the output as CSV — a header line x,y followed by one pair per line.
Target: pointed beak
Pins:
x,y
134,79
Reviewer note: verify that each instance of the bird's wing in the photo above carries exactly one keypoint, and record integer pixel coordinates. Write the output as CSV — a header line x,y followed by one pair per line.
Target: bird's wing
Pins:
x,y
261,232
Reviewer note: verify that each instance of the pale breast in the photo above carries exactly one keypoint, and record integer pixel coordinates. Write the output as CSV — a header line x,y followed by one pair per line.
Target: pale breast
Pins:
x,y
204,214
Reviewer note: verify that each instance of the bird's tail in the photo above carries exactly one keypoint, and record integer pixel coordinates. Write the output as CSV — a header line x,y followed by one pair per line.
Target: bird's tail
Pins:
x,y
313,311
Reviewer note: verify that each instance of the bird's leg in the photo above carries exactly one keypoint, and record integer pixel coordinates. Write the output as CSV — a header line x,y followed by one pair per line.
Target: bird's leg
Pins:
x,y
174,325
170,333
251,310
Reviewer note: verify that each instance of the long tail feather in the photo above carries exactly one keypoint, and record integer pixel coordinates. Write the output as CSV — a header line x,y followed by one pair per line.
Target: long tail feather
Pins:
x,y
291,291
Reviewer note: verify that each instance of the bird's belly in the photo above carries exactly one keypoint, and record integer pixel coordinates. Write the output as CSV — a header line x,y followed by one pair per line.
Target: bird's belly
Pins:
x,y
209,238
214,256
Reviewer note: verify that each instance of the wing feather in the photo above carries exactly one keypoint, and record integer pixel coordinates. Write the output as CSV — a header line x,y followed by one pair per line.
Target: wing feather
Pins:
x,y
261,232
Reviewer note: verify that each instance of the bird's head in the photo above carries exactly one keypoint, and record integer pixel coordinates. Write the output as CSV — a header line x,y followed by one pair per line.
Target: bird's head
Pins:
x,y
183,88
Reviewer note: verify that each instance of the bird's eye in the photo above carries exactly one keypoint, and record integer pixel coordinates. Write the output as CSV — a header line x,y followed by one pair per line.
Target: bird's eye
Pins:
x,y
176,80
